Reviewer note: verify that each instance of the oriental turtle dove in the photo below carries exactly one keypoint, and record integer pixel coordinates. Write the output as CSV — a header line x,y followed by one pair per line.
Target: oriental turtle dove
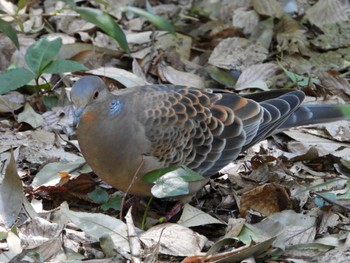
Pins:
x,y
140,129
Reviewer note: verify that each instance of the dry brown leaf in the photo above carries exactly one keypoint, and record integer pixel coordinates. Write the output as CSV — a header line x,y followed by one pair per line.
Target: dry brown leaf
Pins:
x,y
266,199
291,37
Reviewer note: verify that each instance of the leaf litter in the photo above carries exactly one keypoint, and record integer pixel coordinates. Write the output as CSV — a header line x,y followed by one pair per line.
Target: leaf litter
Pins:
x,y
287,196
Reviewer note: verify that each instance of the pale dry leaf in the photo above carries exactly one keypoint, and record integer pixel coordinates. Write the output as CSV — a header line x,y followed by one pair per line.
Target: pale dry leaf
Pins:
x,y
169,185
13,247
336,60
7,49
124,77
221,10
289,6
298,227
11,194
49,174
136,24
11,101
59,119
8,8
298,64
256,76
303,142
192,216
339,130
234,227
34,23
68,21
28,115
263,33
143,37
340,254
38,232
334,36
115,7
167,11
246,20
174,239
137,70
268,8
334,82
103,40
177,77
180,43
97,225
237,54
330,219
328,12
209,29
41,237
135,244
37,146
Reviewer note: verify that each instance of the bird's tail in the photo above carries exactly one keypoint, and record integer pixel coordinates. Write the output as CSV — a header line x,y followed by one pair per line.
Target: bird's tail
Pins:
x,y
315,114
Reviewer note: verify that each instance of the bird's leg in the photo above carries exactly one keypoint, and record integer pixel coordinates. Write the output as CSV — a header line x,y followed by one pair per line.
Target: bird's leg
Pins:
x,y
130,185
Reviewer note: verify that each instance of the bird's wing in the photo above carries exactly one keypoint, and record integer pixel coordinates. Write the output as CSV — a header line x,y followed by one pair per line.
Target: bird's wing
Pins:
x,y
204,131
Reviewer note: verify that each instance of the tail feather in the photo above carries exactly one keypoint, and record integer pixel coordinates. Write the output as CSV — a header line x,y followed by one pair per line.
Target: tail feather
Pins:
x,y
313,114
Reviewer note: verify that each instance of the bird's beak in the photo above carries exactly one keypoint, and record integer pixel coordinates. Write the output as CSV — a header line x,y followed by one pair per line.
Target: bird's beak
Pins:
x,y
77,114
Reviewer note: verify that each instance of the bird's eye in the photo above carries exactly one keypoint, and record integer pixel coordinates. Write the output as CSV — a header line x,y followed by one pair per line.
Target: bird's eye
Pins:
x,y
95,95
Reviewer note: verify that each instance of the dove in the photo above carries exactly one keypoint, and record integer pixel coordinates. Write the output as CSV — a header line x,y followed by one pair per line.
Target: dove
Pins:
x,y
125,135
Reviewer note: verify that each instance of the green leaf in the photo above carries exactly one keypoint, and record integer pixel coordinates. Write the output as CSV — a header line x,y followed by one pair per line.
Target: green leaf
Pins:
x,y
345,109
9,31
174,182
41,54
71,3
300,80
21,4
184,172
63,65
190,175
319,201
112,203
99,196
150,9
50,101
154,175
224,77
14,78
154,19
104,21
